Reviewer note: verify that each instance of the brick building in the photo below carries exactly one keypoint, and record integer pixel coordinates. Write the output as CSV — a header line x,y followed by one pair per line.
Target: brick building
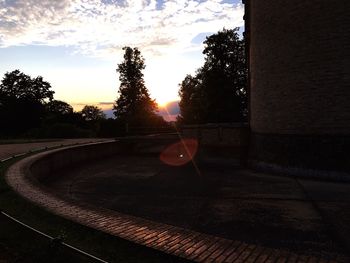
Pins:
x,y
299,67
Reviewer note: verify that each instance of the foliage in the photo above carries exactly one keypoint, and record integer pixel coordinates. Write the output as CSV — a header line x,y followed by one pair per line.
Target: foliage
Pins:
x,y
134,105
19,115
111,128
57,107
18,85
59,112
92,113
28,110
67,130
22,100
191,99
217,93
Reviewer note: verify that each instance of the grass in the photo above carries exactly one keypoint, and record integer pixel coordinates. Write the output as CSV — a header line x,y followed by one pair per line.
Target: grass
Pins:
x,y
21,245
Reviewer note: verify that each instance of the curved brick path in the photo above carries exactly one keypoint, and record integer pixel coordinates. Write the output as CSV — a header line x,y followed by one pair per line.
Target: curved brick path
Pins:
x,y
177,241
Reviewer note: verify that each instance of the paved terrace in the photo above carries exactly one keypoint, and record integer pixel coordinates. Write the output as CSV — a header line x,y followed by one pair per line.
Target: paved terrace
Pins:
x,y
186,243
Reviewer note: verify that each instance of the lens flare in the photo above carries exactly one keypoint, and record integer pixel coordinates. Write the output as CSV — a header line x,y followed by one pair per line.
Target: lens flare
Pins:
x,y
179,153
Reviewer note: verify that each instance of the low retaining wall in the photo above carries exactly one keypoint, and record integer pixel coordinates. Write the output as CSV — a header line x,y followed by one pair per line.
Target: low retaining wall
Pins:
x,y
228,153
71,156
76,155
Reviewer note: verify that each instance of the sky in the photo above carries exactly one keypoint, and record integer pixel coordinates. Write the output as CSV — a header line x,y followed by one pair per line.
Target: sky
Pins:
x,y
76,45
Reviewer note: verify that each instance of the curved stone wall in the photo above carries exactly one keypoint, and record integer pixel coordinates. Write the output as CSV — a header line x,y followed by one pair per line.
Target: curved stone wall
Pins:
x,y
77,155
299,58
72,156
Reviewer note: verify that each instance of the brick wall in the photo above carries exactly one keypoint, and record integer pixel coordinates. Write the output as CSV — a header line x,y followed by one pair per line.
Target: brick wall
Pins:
x,y
299,66
227,135
221,144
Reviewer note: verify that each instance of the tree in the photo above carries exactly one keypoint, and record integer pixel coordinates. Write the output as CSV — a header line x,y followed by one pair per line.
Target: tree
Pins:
x,y
59,112
18,85
22,102
134,105
92,113
59,107
219,92
191,97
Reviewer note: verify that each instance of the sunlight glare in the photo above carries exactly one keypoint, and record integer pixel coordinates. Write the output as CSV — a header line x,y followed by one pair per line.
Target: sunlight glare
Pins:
x,y
180,153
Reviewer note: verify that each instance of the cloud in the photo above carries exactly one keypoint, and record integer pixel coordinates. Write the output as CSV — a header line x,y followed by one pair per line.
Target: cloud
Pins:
x,y
106,106
25,22
101,28
106,103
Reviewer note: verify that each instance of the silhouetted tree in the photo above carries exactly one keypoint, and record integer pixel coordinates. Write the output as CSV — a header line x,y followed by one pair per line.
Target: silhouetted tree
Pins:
x,y
191,94
22,100
92,113
18,85
58,107
134,105
111,128
61,112
218,91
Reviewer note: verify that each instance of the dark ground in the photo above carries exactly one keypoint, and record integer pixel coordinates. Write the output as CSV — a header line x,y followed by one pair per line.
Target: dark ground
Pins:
x,y
278,211
33,248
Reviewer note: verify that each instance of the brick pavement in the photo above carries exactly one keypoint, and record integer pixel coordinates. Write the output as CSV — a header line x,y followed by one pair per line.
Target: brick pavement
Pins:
x,y
173,240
